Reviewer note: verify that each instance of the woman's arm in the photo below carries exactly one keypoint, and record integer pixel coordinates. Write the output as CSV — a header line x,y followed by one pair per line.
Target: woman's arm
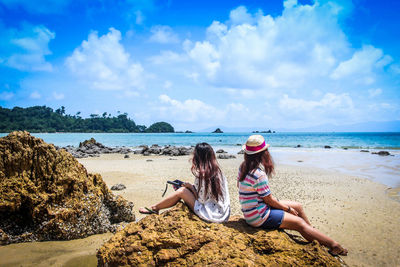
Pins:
x,y
273,202
192,189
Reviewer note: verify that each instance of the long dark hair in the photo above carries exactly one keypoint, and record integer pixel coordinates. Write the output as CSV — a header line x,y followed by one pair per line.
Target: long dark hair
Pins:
x,y
206,168
252,162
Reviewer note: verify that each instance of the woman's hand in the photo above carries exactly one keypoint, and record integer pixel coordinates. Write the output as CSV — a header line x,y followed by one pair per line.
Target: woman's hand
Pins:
x,y
293,211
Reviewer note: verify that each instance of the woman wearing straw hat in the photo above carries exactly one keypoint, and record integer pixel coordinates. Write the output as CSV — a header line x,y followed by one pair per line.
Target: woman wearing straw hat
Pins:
x,y
261,209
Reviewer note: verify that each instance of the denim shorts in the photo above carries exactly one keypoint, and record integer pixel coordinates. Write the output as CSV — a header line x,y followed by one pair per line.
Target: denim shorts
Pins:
x,y
274,219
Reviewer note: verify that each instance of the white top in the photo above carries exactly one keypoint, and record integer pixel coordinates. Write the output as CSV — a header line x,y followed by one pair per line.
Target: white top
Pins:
x,y
208,208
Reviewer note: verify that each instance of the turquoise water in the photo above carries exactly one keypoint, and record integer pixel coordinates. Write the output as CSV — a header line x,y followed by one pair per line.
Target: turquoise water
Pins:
x,y
385,170
307,140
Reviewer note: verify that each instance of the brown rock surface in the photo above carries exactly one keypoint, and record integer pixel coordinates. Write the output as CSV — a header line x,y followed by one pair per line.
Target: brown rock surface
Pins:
x,y
178,237
47,194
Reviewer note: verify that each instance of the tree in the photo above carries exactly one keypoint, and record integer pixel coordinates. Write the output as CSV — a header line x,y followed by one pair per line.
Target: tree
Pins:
x,y
160,127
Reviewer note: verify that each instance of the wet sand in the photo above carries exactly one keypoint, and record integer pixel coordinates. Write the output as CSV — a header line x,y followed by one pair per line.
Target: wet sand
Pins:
x,y
358,213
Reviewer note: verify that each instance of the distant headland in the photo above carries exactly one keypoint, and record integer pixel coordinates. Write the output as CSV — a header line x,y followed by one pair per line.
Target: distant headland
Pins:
x,y
42,119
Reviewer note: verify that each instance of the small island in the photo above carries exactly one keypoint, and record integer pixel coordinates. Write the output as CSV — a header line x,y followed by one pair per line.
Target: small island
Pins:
x,y
218,130
269,131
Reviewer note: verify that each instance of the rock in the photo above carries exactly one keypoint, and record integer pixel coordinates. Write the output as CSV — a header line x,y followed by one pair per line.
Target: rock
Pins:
x,y
220,151
298,146
149,160
126,157
179,238
327,147
241,152
345,148
92,148
118,187
382,153
363,150
218,130
226,156
46,194
187,131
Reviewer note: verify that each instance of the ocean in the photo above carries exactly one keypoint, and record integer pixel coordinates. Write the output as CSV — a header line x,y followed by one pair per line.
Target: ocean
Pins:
x,y
343,156
388,141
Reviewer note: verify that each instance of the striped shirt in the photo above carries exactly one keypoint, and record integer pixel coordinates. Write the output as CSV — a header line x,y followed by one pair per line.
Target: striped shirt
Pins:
x,y
251,192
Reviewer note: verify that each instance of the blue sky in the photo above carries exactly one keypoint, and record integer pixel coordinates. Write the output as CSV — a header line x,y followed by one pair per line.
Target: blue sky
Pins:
x,y
198,64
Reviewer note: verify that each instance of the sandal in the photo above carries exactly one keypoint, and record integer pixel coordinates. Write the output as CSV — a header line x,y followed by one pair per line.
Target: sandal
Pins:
x,y
338,251
147,210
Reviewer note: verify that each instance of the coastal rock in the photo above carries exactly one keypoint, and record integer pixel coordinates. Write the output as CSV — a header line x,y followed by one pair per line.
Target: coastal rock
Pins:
x,y
179,238
363,150
118,187
126,157
218,130
92,148
220,151
46,194
241,152
382,153
226,156
327,147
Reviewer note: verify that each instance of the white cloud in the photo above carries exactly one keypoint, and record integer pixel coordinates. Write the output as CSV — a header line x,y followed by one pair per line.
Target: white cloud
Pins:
x,y
26,49
58,96
240,15
362,64
35,95
163,34
103,63
374,92
190,110
303,48
167,57
242,93
331,108
6,95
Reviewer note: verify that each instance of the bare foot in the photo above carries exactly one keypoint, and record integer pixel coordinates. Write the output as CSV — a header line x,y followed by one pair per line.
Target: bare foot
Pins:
x,y
337,250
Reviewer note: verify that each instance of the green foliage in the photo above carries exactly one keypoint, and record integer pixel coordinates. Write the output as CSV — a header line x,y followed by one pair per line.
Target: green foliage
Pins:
x,y
160,127
44,119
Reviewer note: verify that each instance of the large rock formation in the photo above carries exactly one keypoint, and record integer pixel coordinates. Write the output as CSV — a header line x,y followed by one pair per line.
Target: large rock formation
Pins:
x,y
47,194
179,238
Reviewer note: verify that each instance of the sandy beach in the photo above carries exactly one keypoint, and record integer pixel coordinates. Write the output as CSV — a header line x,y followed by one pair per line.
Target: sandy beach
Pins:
x,y
360,214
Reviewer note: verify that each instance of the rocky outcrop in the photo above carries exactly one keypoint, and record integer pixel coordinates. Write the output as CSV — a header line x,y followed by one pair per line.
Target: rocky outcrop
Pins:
x,y
166,150
218,130
46,194
179,238
382,153
226,156
220,151
92,148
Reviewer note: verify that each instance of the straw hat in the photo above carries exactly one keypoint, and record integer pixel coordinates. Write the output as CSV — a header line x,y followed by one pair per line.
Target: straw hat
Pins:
x,y
255,144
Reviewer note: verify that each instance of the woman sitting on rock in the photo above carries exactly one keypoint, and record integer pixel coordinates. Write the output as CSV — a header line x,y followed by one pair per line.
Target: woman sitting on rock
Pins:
x,y
261,209
209,196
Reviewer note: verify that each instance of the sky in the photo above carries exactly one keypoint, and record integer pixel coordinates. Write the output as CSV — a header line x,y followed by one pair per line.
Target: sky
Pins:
x,y
269,64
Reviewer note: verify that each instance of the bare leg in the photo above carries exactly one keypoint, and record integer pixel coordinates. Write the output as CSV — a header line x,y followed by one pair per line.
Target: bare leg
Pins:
x,y
172,199
293,222
298,207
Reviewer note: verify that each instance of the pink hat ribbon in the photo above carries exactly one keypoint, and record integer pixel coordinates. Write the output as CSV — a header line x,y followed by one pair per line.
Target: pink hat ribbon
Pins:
x,y
255,148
